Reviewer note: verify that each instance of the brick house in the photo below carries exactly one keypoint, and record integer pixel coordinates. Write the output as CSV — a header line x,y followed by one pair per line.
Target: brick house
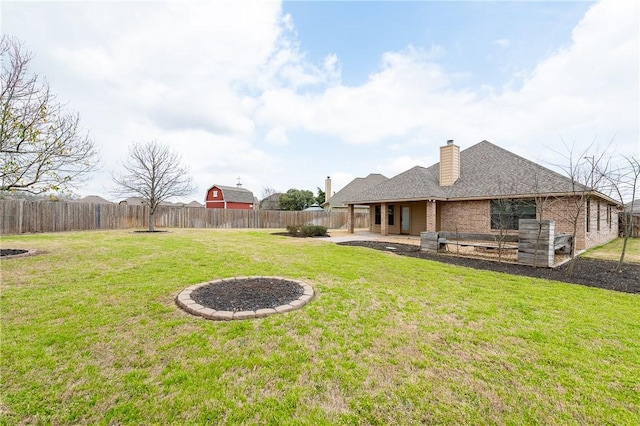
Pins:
x,y
485,189
229,197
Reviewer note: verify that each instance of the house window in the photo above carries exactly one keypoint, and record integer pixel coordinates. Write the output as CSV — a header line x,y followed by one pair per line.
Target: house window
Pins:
x,y
377,215
598,216
588,215
505,214
390,215
609,215
215,194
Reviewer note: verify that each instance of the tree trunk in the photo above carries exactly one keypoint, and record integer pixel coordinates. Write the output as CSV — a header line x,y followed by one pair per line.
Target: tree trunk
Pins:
x,y
624,250
152,224
574,258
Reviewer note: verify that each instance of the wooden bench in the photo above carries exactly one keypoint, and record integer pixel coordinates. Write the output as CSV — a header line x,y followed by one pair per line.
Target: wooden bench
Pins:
x,y
443,243
562,243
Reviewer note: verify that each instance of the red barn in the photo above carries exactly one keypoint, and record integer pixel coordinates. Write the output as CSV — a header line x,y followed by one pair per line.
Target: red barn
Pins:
x,y
228,197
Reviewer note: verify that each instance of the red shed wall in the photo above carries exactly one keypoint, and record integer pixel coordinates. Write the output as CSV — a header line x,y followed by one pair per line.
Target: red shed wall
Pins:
x,y
239,206
214,204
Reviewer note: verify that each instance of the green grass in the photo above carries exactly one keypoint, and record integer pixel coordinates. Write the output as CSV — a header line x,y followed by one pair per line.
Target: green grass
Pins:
x,y
612,250
91,335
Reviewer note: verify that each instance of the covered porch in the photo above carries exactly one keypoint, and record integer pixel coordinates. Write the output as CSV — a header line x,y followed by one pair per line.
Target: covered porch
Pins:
x,y
399,218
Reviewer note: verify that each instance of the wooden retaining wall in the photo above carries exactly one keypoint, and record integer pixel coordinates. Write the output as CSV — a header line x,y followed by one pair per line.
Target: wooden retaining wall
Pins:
x,y
536,242
20,216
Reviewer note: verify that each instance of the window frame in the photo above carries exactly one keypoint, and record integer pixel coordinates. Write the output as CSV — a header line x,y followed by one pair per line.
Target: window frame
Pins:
x,y
505,213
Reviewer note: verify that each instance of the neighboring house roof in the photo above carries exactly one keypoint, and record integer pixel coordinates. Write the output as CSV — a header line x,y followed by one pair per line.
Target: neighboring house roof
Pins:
x,y
194,204
636,206
486,171
235,195
353,188
134,201
95,199
272,202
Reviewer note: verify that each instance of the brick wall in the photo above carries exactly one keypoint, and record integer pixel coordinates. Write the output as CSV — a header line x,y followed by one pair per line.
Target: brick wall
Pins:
x,y
475,217
465,216
563,211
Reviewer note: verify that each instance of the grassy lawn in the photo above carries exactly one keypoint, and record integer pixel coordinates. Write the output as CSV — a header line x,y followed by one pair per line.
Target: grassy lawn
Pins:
x,y
612,250
91,335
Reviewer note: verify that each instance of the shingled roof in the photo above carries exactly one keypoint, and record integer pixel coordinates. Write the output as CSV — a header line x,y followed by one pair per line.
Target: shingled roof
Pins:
x,y
236,195
486,171
353,188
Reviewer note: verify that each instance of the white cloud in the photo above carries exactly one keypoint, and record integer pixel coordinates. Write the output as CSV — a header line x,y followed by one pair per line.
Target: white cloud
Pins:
x,y
587,90
229,85
502,42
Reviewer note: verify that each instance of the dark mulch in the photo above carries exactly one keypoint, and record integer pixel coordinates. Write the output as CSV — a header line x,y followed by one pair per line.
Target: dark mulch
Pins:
x,y
288,234
12,252
592,273
248,294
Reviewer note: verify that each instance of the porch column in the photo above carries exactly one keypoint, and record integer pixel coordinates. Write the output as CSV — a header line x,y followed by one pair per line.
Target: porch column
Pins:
x,y
350,218
384,219
431,216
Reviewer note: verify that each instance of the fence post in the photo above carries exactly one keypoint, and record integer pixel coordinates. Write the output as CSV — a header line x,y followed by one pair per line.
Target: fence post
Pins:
x,y
20,213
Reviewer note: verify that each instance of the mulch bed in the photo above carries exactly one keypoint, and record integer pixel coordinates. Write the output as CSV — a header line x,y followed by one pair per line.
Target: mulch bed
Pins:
x,y
12,252
248,294
588,272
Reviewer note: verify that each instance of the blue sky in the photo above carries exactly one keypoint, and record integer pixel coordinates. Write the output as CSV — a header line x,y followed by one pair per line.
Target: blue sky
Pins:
x,y
285,94
487,42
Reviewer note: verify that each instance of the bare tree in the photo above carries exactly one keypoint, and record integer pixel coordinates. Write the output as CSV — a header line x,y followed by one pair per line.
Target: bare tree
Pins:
x,y
42,147
586,173
153,172
267,191
622,181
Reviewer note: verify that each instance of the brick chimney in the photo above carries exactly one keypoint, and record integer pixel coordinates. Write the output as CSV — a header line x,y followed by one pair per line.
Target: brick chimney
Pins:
x,y
449,163
327,188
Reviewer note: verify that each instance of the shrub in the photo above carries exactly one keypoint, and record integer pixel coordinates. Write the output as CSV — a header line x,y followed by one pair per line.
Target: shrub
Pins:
x,y
313,231
307,230
293,229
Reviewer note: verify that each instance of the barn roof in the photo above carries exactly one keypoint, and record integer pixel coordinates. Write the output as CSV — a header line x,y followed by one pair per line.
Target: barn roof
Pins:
x,y
235,195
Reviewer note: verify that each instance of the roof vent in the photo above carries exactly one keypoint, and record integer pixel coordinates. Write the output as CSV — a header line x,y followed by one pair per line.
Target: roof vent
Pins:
x,y
450,142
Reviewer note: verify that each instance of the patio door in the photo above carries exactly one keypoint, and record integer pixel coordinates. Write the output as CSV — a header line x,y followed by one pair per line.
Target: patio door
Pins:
x,y
405,220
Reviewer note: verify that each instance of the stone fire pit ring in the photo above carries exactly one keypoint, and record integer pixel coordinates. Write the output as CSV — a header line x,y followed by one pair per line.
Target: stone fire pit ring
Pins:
x,y
192,299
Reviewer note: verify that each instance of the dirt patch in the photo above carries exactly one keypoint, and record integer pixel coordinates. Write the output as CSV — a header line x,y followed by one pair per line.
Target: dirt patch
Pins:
x,y
248,294
588,272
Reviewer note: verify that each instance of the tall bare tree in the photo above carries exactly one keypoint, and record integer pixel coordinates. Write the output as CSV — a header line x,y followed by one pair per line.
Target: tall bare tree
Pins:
x,y
586,168
154,173
622,182
42,147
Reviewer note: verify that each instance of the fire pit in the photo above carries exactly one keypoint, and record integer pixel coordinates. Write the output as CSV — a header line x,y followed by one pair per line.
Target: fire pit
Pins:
x,y
244,297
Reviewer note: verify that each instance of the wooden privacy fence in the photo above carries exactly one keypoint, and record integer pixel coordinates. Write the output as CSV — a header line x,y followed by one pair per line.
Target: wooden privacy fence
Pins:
x,y
20,216
634,223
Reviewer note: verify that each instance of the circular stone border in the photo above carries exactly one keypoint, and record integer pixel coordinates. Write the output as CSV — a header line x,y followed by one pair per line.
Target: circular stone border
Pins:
x,y
184,301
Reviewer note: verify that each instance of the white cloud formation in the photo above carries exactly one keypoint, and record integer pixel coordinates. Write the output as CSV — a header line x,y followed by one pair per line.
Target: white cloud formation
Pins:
x,y
587,90
229,85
